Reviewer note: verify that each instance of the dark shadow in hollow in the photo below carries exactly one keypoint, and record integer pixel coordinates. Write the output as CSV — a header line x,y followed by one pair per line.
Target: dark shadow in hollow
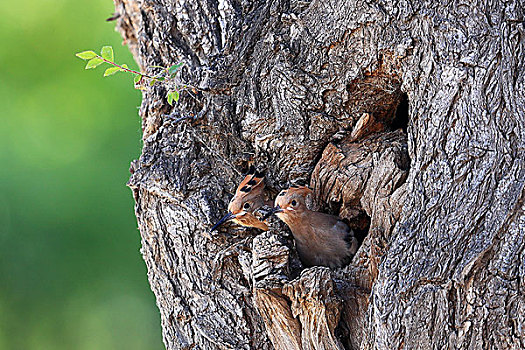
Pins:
x,y
401,118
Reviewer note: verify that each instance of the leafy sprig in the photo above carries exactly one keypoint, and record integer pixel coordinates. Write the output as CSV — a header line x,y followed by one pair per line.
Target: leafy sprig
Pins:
x,y
166,75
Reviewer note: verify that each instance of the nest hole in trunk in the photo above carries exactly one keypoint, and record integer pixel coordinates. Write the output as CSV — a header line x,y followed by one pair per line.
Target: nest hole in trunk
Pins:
x,y
356,176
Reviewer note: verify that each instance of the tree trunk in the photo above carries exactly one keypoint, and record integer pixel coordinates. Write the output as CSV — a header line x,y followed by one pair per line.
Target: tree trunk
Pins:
x,y
405,117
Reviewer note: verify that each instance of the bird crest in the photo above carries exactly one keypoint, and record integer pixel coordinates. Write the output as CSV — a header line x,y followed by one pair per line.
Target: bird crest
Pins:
x,y
298,190
293,194
248,198
252,184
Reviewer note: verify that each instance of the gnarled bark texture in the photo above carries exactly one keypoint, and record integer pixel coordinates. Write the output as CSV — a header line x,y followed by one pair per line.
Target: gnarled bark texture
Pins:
x,y
310,90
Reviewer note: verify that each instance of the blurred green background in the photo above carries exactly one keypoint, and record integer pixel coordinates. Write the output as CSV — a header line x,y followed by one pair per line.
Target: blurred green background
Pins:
x,y
71,275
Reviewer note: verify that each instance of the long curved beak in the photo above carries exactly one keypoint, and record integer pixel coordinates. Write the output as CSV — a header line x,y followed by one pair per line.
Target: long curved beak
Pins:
x,y
225,218
274,210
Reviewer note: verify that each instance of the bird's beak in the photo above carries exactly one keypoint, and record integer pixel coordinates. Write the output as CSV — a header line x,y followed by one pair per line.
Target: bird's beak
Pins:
x,y
226,217
275,210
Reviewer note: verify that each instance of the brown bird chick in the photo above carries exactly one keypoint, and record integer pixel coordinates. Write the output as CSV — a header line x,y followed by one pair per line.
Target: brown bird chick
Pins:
x,y
248,198
321,239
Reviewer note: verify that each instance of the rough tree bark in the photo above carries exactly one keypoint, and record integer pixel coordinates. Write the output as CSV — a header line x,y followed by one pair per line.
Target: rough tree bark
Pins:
x,y
314,91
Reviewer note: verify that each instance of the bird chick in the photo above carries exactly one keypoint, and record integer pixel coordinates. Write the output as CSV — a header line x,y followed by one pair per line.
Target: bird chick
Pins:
x,y
321,239
248,198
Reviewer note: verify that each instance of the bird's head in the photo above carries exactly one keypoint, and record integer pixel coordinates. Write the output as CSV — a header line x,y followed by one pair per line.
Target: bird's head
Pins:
x,y
247,199
290,204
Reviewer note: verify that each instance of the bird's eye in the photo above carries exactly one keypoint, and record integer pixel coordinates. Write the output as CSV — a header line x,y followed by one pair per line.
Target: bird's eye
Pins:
x,y
246,206
294,203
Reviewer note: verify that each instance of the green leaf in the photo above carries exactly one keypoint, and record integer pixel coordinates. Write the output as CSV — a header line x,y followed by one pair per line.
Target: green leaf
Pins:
x,y
172,96
111,71
174,69
152,82
107,53
86,55
137,79
93,63
125,66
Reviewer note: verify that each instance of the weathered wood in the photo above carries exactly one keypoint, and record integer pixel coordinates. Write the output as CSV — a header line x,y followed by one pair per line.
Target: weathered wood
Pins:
x,y
309,90
317,308
270,271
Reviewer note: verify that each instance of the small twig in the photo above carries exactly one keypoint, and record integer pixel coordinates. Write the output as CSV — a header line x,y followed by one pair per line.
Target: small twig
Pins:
x,y
167,75
125,69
